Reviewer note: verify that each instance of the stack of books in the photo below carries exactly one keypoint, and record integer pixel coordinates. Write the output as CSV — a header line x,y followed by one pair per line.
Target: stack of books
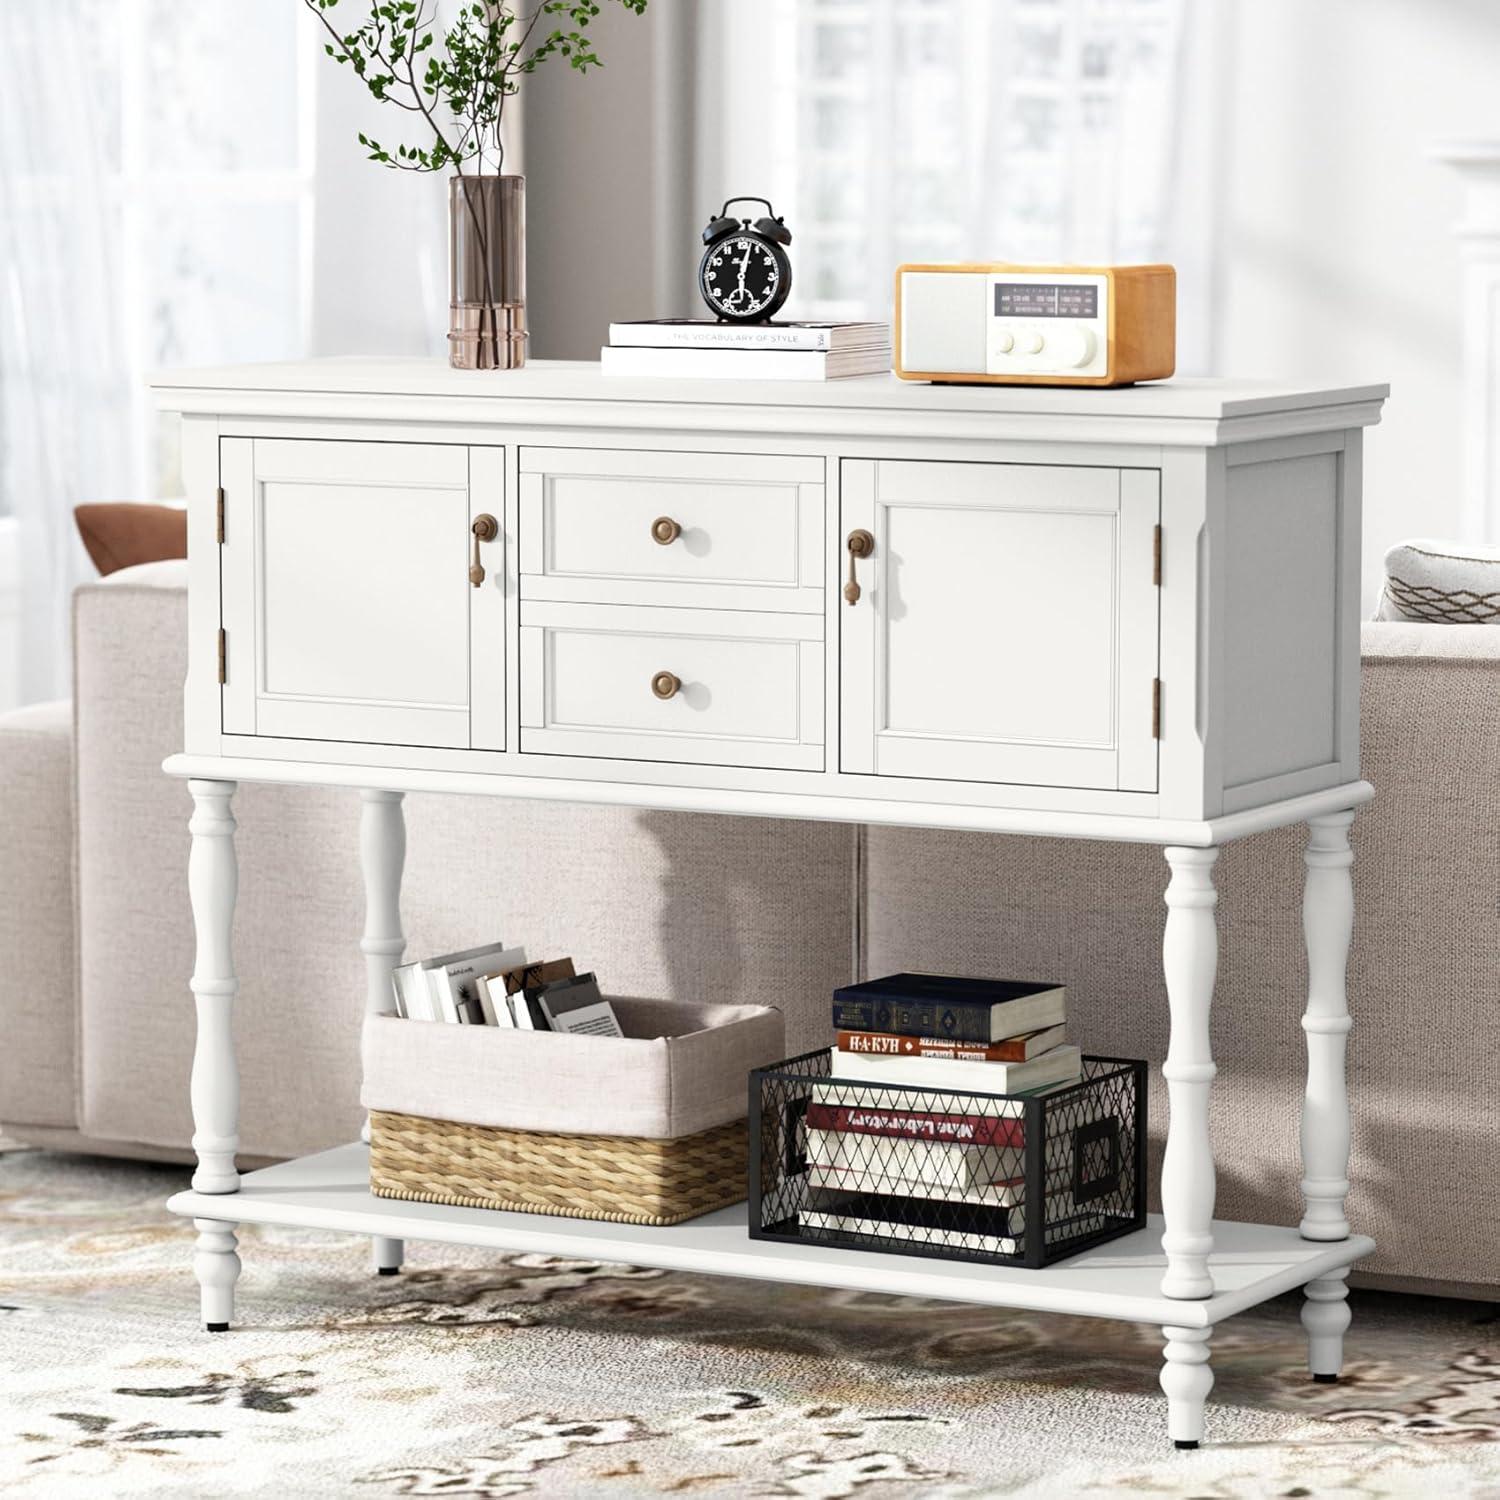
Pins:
x,y
495,986
910,1161
698,348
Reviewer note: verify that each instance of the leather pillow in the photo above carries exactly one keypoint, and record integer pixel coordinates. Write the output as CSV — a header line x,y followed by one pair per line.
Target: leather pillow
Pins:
x,y
120,535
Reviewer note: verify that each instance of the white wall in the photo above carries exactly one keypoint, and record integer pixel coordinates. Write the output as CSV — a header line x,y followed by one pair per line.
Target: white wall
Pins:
x,y
1337,260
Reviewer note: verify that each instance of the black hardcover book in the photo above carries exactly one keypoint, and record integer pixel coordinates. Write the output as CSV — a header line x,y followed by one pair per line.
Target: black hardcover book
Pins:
x,y
918,1221
944,1005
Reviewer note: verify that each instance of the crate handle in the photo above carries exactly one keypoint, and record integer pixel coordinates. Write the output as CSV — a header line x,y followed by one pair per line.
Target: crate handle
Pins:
x,y
1096,1159
792,1114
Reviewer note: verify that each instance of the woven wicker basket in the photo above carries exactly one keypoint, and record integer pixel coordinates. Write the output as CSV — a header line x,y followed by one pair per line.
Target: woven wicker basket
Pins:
x,y
626,1179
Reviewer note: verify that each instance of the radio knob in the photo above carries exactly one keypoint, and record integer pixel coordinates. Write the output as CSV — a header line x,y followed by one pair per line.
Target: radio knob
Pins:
x,y
1076,346
1031,343
1004,343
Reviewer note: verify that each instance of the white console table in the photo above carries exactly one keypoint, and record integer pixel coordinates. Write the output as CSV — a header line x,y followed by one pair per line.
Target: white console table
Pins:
x,y
1127,614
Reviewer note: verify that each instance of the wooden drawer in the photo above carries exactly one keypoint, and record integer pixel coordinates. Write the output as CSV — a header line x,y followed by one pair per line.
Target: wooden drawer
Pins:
x,y
745,530
750,687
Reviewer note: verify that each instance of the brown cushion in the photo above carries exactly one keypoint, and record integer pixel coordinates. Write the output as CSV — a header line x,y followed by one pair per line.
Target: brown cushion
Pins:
x,y
120,534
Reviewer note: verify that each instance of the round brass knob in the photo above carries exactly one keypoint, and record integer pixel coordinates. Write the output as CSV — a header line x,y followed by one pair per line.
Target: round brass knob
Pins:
x,y
666,684
665,530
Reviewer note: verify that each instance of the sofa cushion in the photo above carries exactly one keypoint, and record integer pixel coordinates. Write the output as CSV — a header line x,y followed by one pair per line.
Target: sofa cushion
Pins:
x,y
1443,583
38,995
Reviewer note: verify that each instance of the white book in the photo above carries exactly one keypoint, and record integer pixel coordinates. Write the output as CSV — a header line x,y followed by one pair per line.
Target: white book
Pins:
x,y
412,997
708,333
986,1175
450,979
840,1154
1060,1065
743,364
494,1003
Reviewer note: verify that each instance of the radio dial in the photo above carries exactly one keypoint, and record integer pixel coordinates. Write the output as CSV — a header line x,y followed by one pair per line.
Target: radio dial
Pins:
x,y
1031,343
1075,346
1004,343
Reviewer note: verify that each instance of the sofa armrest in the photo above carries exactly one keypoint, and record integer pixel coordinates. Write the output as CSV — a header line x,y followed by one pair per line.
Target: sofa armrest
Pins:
x,y
38,990
1409,640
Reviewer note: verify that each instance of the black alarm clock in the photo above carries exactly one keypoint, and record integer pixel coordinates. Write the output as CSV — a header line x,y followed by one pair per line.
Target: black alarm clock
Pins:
x,y
745,273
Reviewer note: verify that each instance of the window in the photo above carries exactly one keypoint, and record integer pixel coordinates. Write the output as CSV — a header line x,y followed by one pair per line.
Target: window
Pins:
x,y
901,130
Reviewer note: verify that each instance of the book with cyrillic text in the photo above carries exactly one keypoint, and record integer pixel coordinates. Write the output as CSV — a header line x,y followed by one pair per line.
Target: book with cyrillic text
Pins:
x,y
1012,1049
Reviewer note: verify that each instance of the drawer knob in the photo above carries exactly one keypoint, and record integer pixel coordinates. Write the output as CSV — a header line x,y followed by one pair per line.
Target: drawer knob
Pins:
x,y
665,531
860,544
666,684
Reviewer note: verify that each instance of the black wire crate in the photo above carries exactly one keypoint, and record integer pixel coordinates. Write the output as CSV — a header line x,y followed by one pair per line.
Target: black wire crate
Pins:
x,y
1017,1180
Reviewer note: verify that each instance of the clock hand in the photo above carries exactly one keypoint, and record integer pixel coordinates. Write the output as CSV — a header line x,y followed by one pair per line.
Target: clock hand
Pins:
x,y
744,264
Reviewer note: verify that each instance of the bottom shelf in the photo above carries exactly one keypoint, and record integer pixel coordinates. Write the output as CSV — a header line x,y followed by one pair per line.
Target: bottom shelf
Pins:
x,y
1251,1262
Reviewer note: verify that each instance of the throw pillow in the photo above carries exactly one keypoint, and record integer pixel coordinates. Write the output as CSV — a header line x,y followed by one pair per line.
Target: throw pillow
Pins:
x,y
1443,583
120,535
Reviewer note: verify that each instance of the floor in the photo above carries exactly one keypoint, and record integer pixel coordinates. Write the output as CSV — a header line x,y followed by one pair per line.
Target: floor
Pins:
x,y
475,1376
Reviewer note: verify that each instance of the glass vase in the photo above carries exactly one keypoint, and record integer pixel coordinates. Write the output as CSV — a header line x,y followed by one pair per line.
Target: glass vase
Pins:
x,y
487,272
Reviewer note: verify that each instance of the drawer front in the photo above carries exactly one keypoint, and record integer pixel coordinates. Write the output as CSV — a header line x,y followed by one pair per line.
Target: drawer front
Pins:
x,y
721,687
711,530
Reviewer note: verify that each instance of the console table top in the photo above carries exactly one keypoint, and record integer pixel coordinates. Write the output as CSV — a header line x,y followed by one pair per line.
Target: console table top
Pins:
x,y
542,381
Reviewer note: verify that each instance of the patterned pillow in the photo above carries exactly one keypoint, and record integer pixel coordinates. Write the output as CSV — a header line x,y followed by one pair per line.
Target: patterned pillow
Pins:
x,y
1443,583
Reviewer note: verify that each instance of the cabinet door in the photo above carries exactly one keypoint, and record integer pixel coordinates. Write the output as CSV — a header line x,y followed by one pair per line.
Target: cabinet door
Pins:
x,y
347,608
1007,626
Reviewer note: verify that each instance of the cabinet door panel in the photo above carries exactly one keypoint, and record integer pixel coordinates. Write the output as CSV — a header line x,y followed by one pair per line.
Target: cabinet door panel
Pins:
x,y
1006,613
347,606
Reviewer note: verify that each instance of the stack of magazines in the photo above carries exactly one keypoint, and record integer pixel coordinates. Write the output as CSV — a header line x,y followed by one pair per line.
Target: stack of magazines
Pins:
x,y
699,348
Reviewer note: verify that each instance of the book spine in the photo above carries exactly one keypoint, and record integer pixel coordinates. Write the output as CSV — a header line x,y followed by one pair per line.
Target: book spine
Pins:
x,y
963,1130
949,1023
891,1044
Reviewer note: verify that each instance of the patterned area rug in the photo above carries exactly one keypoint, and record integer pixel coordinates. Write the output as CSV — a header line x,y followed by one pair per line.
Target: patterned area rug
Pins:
x,y
474,1375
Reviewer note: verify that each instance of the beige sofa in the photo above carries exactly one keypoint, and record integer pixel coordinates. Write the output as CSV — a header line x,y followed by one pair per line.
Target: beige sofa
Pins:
x,y
96,1018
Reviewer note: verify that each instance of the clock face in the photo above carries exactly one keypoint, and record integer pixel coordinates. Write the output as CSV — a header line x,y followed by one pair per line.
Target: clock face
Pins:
x,y
742,279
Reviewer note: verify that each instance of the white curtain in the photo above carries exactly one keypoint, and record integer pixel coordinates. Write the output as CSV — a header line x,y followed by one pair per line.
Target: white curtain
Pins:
x,y
180,184
1025,130
64,370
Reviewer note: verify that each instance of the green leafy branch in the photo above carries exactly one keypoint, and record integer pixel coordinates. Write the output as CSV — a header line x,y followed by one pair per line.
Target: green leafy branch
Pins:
x,y
457,82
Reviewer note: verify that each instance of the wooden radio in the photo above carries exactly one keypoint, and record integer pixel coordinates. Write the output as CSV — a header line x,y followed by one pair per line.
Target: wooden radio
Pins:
x,y
1036,325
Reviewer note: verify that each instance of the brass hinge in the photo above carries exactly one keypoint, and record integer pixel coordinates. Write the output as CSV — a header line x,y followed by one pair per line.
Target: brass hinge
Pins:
x,y
1156,708
223,656
1155,545
219,516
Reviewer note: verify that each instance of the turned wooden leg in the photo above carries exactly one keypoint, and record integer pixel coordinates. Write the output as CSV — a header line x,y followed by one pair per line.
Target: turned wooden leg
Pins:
x,y
1325,1316
1187,1379
382,857
1328,926
217,1268
1190,956
212,885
